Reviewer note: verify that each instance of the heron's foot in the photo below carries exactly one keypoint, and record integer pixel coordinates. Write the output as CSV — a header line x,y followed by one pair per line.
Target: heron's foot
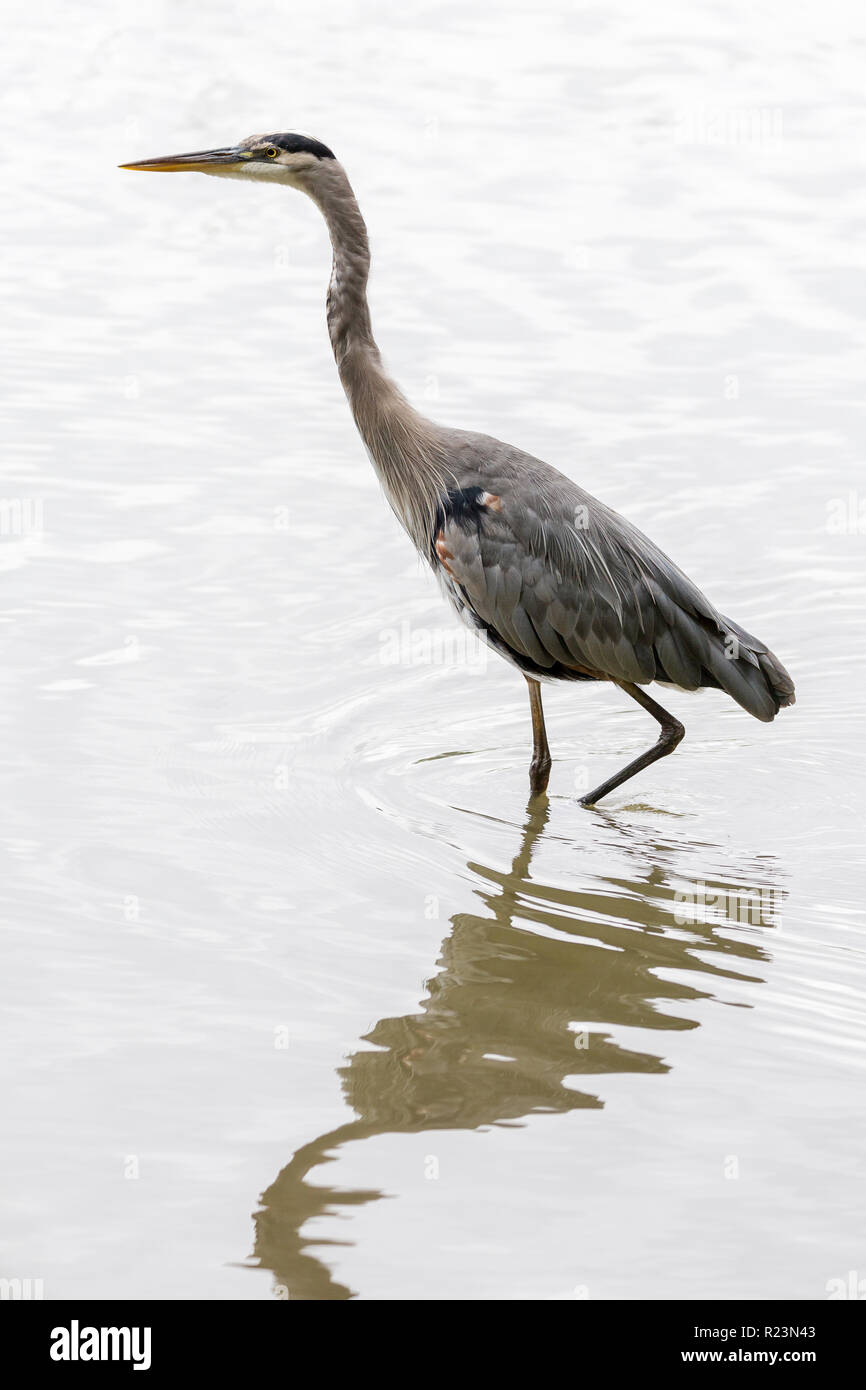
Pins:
x,y
539,775
592,798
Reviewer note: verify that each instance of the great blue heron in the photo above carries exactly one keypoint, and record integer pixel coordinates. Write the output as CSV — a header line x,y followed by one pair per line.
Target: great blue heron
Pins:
x,y
558,583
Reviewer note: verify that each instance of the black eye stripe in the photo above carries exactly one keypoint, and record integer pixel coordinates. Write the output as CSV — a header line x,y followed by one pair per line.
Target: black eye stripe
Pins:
x,y
293,144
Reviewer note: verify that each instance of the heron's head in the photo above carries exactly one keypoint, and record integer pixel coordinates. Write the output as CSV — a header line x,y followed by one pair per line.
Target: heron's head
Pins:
x,y
290,159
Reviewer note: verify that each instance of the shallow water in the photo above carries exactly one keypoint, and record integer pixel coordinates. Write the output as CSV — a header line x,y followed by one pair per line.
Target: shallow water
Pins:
x,y
298,994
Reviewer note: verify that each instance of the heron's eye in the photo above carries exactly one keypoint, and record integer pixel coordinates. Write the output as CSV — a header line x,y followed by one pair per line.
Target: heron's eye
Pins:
x,y
271,152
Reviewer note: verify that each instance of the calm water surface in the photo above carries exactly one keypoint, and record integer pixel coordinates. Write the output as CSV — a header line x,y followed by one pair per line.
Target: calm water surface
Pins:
x,y
298,993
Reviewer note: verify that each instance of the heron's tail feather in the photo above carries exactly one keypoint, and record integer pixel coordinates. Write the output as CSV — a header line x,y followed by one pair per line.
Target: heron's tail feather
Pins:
x,y
749,672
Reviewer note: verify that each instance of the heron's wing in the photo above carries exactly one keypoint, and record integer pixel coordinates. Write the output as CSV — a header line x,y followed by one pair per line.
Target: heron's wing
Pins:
x,y
570,587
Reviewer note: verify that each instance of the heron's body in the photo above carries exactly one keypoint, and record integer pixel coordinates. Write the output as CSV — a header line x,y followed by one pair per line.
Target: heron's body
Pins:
x,y
557,582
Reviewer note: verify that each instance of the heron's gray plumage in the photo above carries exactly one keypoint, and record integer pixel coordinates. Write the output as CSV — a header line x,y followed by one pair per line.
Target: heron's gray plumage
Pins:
x,y
559,583
572,590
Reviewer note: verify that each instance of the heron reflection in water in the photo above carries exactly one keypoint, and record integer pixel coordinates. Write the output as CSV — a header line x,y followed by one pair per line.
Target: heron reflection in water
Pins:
x,y
495,1039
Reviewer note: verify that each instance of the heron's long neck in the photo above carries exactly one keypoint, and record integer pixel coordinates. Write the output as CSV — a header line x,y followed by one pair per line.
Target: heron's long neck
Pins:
x,y
406,449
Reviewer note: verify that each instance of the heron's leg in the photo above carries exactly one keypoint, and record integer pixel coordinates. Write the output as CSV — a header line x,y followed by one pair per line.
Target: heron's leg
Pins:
x,y
671,734
539,768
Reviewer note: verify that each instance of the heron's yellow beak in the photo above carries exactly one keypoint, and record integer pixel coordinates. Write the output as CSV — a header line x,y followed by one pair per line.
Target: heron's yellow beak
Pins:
x,y
202,162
